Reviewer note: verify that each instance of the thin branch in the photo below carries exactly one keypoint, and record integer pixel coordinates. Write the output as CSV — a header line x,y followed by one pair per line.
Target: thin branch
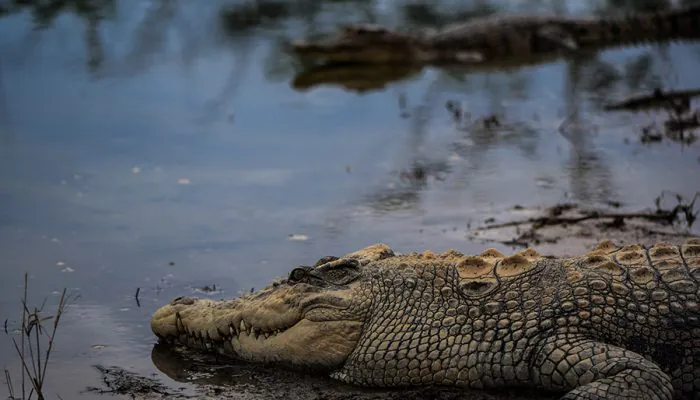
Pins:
x,y
24,323
8,381
23,363
665,216
40,381
59,312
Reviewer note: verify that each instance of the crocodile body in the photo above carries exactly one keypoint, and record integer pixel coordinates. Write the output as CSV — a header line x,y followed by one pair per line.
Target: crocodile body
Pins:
x,y
617,322
497,38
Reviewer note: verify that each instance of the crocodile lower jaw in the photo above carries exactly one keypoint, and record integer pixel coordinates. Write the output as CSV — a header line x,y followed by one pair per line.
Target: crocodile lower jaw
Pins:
x,y
242,341
307,343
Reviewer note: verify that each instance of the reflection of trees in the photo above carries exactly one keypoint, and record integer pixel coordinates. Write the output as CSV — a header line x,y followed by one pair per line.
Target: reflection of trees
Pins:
x,y
44,13
150,35
238,28
5,119
589,176
243,21
473,142
92,12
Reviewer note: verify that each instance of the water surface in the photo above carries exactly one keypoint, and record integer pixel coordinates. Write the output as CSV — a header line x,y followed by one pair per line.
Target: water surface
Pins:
x,y
142,145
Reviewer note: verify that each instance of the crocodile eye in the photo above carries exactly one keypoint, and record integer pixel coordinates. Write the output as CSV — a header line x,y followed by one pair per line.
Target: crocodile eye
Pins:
x,y
298,274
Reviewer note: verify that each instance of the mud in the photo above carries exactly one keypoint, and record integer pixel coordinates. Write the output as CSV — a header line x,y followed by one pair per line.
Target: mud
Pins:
x,y
569,229
206,377
562,228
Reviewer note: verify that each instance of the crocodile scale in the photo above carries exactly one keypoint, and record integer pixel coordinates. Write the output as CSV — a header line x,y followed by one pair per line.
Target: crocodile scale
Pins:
x,y
616,322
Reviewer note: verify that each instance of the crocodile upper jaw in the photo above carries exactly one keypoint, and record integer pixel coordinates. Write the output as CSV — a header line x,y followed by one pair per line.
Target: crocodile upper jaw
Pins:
x,y
332,51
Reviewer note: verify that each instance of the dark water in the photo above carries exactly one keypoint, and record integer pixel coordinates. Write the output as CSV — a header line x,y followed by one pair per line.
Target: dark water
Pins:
x,y
144,146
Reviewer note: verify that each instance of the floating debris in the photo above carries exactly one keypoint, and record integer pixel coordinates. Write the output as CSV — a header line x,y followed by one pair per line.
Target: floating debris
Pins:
x,y
674,100
567,216
298,237
136,296
206,289
183,181
685,123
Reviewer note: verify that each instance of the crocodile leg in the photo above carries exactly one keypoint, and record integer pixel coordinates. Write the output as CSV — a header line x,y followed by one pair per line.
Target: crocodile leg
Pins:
x,y
558,37
595,370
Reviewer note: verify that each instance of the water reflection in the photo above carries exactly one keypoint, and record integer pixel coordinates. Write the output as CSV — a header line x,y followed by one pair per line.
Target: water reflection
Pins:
x,y
5,117
162,141
91,12
589,175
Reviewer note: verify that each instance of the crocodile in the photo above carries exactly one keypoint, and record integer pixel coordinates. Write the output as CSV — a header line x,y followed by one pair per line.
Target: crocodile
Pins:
x,y
616,322
354,77
501,37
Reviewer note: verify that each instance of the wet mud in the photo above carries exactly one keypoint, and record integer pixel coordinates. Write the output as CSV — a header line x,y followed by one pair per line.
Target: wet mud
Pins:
x,y
562,228
207,377
567,228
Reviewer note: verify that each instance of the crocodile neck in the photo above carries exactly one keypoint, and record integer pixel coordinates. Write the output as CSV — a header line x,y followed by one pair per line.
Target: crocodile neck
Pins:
x,y
503,39
529,36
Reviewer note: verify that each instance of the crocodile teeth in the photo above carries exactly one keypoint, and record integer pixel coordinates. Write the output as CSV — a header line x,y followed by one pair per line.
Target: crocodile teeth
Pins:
x,y
232,330
178,323
243,327
267,335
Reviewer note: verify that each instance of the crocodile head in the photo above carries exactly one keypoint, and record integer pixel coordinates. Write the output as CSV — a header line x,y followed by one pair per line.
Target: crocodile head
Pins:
x,y
363,44
371,317
312,319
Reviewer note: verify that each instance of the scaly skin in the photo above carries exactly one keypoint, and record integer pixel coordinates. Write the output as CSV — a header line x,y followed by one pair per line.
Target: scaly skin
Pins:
x,y
613,323
494,39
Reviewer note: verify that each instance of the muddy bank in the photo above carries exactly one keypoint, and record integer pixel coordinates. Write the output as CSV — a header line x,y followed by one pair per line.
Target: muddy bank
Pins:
x,y
567,229
560,229
206,377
